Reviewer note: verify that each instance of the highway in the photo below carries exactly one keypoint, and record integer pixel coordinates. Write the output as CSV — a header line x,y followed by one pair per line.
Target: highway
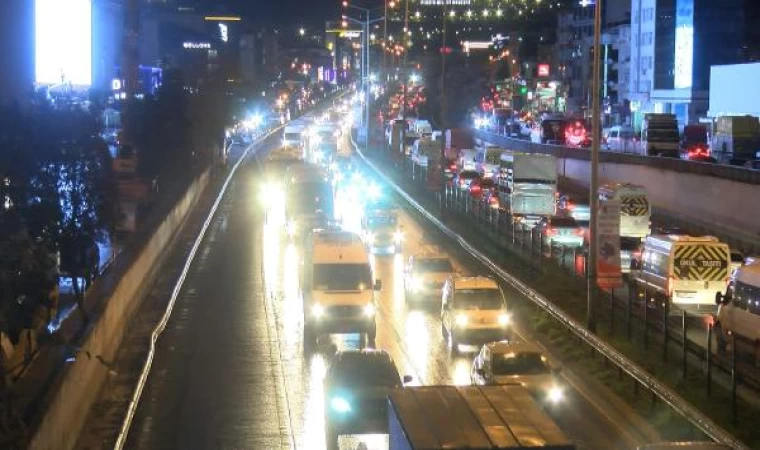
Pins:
x,y
230,372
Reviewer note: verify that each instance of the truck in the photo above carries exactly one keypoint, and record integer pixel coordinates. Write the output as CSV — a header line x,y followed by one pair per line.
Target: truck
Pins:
x,y
458,139
659,135
528,185
694,141
470,418
736,139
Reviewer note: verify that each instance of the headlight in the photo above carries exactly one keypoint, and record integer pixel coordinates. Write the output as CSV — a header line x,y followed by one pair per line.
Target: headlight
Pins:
x,y
416,283
340,404
369,310
398,236
370,238
556,394
318,310
504,319
461,320
284,142
290,228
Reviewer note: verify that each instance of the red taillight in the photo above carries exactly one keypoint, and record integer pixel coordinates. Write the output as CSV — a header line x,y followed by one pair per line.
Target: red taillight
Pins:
x,y
475,188
578,232
550,232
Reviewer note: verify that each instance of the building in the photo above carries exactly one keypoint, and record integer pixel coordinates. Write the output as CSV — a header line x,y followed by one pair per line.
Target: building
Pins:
x,y
673,45
575,33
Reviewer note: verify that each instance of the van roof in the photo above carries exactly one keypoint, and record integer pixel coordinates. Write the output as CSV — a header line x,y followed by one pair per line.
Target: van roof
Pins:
x,y
338,247
475,283
749,274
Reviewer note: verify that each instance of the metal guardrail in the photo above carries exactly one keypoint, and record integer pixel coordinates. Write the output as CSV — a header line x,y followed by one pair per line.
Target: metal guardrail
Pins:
x,y
727,172
663,392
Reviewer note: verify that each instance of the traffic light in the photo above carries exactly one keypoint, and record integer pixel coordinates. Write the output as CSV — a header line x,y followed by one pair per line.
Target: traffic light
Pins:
x,y
523,90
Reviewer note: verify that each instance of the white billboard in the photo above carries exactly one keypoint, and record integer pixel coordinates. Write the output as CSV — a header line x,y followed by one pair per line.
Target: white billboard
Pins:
x,y
63,42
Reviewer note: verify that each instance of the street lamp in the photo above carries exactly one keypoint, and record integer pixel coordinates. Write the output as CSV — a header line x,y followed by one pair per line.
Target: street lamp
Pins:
x,y
301,31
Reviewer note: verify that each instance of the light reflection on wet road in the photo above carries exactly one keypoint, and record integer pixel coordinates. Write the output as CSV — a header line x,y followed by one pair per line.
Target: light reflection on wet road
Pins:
x,y
230,371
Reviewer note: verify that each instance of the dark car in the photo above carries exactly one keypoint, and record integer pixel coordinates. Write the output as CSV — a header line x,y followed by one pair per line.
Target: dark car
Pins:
x,y
465,178
355,389
482,187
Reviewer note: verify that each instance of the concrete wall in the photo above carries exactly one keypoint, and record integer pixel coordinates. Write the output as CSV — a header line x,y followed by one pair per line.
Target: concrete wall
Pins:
x,y
83,378
717,199
713,203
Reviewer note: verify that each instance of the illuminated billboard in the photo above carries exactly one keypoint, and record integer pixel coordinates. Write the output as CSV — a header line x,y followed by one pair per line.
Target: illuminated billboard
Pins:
x,y
684,55
63,42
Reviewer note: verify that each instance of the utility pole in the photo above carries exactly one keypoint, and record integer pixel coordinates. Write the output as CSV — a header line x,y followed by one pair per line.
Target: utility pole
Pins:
x,y
593,252
130,61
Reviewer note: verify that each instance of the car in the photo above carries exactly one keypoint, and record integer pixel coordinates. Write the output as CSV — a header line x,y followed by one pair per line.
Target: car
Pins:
x,y
473,311
561,231
737,260
525,364
355,388
424,276
480,187
630,254
465,178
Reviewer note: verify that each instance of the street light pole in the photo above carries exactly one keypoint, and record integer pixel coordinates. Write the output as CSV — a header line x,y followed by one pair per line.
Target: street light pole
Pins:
x,y
594,188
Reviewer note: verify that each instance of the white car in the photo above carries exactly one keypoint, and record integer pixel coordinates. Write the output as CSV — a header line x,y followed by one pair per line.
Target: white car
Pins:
x,y
505,363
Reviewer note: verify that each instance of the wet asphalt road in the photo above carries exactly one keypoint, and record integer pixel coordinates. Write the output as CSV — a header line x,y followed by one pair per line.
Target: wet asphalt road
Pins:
x,y
229,371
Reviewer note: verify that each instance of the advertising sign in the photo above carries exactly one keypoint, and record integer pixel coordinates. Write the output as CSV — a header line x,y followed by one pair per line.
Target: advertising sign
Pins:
x,y
543,70
608,262
63,42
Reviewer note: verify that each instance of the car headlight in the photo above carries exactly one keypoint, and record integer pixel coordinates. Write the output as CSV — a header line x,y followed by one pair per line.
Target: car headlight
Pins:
x,y
370,238
417,283
556,394
318,310
504,319
460,320
398,236
369,310
340,405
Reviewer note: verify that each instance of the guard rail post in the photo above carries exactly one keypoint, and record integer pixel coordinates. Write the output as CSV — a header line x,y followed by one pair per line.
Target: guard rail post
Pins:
x,y
514,232
629,311
734,380
708,358
612,311
646,321
540,234
684,343
665,336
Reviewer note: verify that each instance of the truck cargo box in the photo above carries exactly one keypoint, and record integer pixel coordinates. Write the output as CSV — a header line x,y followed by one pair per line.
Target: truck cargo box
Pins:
x,y
470,418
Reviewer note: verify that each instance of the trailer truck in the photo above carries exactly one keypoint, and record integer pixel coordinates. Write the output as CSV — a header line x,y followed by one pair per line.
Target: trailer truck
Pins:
x,y
527,185
471,418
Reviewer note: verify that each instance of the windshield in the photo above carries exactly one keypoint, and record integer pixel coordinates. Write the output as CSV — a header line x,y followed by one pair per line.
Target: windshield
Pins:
x,y
478,299
630,244
358,371
469,174
525,363
564,222
662,135
342,277
553,129
433,265
292,136
310,198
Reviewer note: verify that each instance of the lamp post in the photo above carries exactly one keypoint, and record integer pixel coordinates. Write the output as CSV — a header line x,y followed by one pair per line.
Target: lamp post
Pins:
x,y
365,56
593,252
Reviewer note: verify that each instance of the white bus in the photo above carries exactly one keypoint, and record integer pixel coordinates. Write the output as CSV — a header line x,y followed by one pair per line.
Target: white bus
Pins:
x,y
687,270
635,212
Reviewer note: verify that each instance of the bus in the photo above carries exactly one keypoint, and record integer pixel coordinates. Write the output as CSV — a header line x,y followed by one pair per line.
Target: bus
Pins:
x,y
635,212
688,270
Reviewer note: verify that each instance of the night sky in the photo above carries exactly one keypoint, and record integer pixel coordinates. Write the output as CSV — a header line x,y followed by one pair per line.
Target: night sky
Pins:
x,y
288,12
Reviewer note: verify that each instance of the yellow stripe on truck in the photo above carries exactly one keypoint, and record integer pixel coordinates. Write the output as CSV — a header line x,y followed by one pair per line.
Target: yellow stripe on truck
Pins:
x,y
700,262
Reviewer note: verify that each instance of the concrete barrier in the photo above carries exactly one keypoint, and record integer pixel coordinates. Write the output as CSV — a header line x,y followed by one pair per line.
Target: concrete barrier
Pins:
x,y
82,379
725,202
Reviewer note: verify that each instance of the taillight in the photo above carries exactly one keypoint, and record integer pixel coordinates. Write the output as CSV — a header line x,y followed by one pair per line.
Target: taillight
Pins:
x,y
475,188
578,232
550,232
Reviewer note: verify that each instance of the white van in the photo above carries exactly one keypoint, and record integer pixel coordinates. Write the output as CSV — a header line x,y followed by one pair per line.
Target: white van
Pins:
x,y
473,311
622,139
688,270
338,287
635,212
739,309
291,137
